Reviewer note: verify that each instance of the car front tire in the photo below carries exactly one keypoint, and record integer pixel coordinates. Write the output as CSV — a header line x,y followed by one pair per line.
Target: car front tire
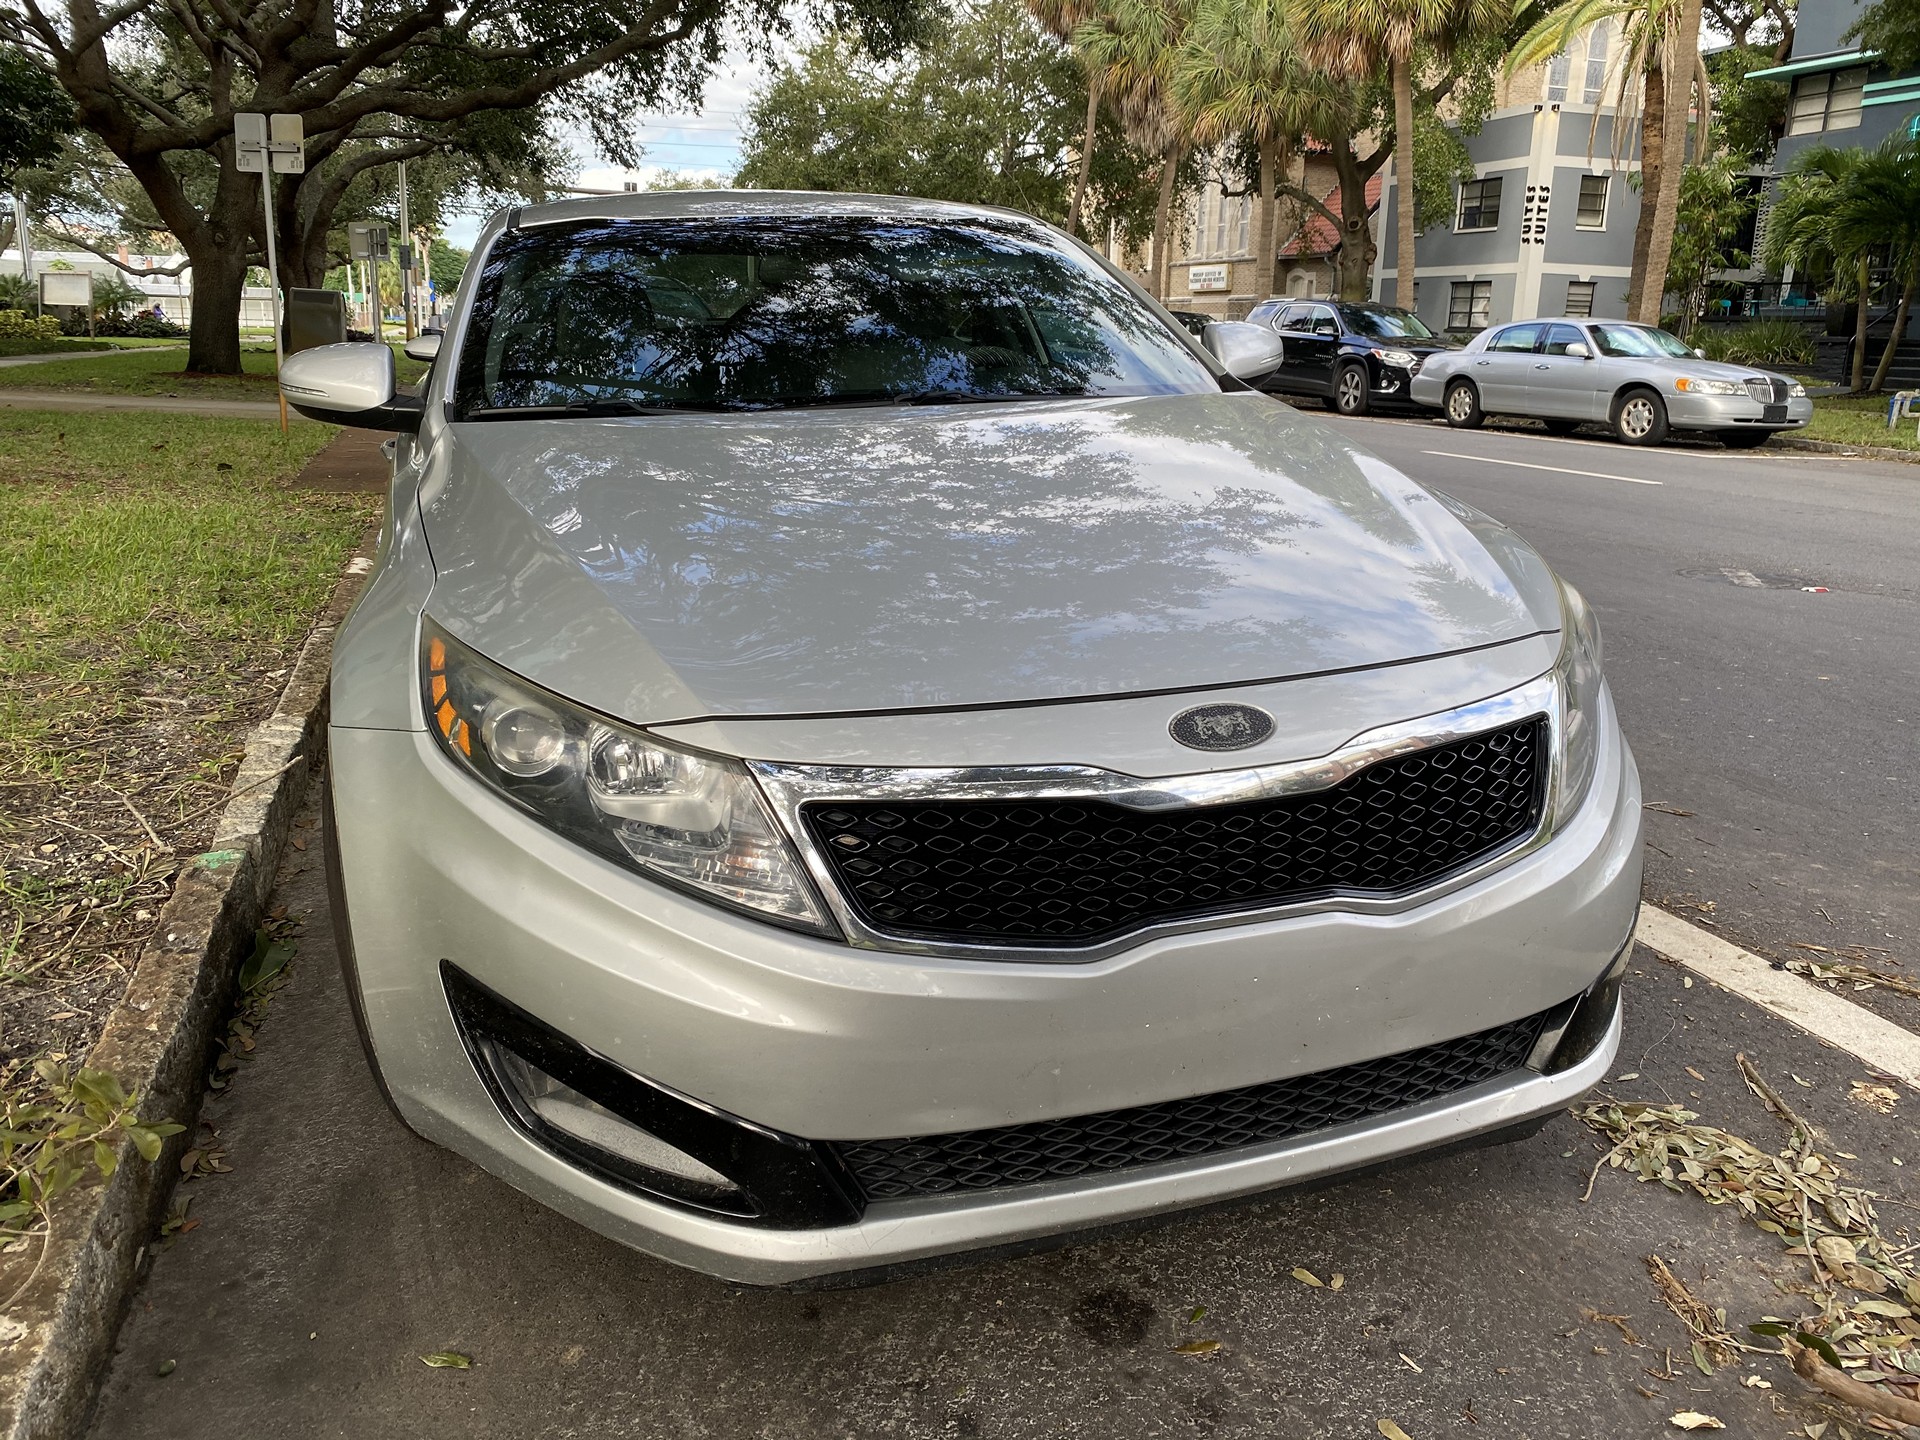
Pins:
x,y
1640,418
1350,389
1462,406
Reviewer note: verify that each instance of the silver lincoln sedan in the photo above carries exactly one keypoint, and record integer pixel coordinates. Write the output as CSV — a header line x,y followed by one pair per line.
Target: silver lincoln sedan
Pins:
x,y
865,740
1638,380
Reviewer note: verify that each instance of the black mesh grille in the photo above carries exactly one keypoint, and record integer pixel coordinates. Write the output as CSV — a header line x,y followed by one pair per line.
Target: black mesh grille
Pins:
x,y
973,1160
1069,872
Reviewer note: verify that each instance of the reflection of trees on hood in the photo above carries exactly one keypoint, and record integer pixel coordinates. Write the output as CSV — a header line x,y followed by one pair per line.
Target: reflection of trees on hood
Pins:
x,y
1091,547
765,310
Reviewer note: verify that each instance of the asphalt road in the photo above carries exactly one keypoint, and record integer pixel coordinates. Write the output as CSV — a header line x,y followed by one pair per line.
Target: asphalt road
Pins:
x,y
340,1249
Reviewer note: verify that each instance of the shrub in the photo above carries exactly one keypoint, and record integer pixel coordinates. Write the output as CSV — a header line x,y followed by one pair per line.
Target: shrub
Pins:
x,y
18,325
1780,343
146,325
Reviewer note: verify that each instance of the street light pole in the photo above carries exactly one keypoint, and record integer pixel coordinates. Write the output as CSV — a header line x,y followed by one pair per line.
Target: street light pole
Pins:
x,y
26,246
406,255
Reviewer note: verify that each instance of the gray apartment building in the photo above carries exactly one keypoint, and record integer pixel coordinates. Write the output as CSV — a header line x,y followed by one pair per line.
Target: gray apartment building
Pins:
x,y
1546,225
1842,95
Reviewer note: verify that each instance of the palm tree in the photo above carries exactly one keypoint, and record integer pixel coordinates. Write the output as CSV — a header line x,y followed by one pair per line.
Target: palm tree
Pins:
x,y
1649,33
1239,74
1357,38
1816,222
1131,46
1883,212
1061,19
1681,64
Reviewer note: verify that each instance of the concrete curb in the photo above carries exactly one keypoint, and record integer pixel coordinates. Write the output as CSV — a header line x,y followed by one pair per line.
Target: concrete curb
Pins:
x,y
1834,447
59,1330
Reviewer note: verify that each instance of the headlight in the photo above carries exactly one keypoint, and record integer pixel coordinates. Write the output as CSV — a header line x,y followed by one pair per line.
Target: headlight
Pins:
x,y
1709,387
1796,391
1405,359
1581,685
695,821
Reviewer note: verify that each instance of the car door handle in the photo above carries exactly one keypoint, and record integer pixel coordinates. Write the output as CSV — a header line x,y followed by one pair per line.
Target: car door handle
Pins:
x,y
1543,367
1483,362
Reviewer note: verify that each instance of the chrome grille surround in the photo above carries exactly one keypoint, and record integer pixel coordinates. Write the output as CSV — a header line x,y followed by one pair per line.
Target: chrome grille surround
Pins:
x,y
789,787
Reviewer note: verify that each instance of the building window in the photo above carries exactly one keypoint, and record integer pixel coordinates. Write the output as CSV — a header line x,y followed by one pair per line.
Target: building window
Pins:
x,y
1592,214
1597,42
1829,101
1557,71
1479,205
1243,235
1470,307
1580,298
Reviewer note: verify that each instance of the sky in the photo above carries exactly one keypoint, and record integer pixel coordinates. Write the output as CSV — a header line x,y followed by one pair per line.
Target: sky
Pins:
x,y
706,144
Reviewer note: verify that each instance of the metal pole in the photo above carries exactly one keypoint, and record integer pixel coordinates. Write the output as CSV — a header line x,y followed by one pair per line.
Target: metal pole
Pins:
x,y
273,288
406,239
26,246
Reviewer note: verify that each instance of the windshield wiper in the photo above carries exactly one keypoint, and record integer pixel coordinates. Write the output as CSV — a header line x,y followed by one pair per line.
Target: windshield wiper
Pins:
x,y
578,408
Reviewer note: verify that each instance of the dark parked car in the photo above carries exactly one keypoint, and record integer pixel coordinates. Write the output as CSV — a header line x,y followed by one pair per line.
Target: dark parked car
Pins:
x,y
1353,356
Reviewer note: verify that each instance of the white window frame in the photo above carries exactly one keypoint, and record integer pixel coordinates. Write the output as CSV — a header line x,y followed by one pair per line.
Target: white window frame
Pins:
x,y
1475,303
1559,73
1606,202
1460,226
1599,41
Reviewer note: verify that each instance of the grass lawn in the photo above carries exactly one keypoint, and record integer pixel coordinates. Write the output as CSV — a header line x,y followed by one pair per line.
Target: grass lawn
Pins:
x,y
157,576
1853,420
160,373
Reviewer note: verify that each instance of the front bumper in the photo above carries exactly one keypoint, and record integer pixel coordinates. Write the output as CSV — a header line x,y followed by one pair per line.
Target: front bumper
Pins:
x,y
1731,412
815,1039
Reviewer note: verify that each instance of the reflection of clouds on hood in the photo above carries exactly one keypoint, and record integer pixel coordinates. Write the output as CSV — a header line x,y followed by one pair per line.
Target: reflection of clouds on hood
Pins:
x,y
854,559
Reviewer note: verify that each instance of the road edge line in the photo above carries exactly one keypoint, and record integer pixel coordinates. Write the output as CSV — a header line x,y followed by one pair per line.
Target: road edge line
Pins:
x,y
1868,1037
61,1327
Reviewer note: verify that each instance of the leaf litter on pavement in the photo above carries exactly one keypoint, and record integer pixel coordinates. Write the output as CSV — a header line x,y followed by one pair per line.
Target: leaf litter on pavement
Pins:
x,y
1856,1335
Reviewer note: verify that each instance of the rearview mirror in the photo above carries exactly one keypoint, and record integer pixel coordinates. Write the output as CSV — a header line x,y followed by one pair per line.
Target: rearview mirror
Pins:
x,y
424,346
1577,349
1247,351
349,384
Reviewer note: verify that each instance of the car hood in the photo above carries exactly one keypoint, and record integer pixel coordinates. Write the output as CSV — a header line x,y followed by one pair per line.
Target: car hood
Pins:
x,y
823,561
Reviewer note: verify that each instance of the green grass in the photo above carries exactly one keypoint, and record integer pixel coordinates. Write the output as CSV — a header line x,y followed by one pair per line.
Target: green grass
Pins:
x,y
161,373
1855,420
157,576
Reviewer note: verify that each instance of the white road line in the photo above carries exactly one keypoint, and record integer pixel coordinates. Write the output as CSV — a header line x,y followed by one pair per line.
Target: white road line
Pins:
x,y
1529,465
1821,1013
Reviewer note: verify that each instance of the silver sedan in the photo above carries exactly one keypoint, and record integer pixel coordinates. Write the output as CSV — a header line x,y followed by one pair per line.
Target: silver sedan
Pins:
x,y
1639,380
865,740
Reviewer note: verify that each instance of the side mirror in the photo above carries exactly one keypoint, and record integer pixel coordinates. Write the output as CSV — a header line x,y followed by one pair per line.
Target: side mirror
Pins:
x,y
1698,353
1248,351
1577,349
424,346
349,384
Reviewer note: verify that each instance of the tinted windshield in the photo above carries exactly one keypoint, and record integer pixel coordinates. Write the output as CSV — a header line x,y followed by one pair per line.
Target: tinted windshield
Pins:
x,y
756,313
1377,323
1639,340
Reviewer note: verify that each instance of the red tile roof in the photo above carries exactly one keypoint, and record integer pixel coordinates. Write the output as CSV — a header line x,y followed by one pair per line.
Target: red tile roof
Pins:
x,y
1318,236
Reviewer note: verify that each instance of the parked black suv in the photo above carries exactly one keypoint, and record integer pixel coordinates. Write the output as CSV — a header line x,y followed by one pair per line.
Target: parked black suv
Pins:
x,y
1354,356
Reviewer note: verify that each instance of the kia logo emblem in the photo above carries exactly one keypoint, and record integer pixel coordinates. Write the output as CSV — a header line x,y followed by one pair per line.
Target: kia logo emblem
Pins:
x,y
1221,727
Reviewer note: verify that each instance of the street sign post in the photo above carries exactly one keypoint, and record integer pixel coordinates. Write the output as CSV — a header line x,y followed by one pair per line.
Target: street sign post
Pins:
x,y
367,243
270,143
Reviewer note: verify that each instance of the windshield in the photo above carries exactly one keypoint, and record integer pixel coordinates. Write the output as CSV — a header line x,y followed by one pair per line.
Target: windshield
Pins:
x,y
1640,340
1379,323
766,312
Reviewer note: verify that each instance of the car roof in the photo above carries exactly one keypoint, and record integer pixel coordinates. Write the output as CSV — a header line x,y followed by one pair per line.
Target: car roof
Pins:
x,y
743,204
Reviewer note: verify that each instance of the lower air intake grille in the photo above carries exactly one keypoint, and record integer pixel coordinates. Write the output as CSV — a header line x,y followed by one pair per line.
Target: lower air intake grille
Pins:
x,y
975,1160
1073,872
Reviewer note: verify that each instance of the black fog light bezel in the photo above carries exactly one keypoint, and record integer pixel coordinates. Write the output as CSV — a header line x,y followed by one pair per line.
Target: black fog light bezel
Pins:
x,y
786,1183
